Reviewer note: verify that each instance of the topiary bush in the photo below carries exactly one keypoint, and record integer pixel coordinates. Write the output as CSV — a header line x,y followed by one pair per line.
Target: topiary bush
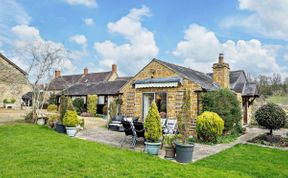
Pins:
x,y
91,104
52,99
184,117
224,102
71,119
9,101
152,124
63,106
78,104
271,116
52,108
209,125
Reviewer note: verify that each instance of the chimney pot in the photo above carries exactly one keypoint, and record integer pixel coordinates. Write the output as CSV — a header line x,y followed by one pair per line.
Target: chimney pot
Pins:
x,y
85,71
57,73
114,68
221,58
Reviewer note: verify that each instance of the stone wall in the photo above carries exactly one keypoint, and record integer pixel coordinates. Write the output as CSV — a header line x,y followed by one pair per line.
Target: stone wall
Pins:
x,y
132,98
13,83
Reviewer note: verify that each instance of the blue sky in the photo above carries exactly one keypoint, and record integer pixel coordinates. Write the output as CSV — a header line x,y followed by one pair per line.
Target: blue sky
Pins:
x,y
251,33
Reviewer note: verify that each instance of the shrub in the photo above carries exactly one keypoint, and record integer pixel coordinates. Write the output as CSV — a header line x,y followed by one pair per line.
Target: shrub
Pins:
x,y
225,103
91,104
209,126
184,117
78,104
29,117
271,116
52,99
9,101
71,119
63,106
152,124
168,139
52,108
52,119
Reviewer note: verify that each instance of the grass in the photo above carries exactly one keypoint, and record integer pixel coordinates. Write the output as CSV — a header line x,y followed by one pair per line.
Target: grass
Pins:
x,y
34,151
278,99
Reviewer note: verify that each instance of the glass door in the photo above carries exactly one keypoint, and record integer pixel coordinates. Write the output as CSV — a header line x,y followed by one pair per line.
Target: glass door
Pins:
x,y
147,100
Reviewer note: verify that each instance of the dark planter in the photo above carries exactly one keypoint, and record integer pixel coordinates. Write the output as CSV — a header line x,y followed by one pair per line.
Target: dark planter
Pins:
x,y
184,152
169,152
60,128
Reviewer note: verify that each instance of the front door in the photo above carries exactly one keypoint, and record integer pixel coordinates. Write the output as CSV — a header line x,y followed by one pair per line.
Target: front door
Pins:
x,y
147,100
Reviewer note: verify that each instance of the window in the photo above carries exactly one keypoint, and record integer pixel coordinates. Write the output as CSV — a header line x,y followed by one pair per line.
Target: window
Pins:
x,y
160,100
101,99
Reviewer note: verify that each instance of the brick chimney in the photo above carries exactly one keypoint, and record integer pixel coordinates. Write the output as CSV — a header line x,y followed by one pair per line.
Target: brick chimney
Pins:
x,y
57,73
114,68
221,72
85,71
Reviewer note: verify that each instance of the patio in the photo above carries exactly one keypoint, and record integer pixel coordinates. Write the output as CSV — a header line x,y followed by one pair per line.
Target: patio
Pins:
x,y
95,131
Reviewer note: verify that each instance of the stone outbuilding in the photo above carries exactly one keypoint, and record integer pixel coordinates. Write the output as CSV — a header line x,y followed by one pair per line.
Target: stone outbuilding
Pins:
x,y
165,83
13,82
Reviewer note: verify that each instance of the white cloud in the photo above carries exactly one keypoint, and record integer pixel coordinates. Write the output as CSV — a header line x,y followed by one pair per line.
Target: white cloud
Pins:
x,y
88,21
87,3
79,39
11,13
200,48
29,36
140,49
267,18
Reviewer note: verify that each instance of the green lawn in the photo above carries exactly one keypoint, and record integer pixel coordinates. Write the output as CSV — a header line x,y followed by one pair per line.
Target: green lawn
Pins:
x,y
278,99
34,151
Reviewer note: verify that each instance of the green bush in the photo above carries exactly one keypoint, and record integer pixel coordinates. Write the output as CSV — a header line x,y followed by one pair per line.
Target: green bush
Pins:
x,y
71,119
152,124
224,102
52,99
63,106
271,116
91,104
9,101
78,104
209,126
184,117
168,139
52,108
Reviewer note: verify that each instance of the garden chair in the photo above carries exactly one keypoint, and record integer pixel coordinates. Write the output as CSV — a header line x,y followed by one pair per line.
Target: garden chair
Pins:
x,y
170,126
139,129
129,131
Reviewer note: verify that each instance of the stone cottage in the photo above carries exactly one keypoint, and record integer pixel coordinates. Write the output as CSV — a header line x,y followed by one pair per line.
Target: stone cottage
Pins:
x,y
106,85
165,82
13,82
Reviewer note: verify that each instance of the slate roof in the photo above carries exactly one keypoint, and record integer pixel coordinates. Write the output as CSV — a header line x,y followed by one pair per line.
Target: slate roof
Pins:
x,y
204,80
100,88
66,81
159,80
250,89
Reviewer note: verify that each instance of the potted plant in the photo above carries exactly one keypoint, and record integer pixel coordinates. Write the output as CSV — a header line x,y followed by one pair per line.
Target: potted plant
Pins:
x,y
184,149
70,121
62,110
153,130
169,146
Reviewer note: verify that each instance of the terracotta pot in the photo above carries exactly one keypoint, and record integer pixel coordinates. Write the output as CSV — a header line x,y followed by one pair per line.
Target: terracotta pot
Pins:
x,y
169,152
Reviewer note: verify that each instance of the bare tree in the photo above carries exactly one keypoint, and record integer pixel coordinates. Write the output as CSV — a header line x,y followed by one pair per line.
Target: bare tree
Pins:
x,y
41,59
